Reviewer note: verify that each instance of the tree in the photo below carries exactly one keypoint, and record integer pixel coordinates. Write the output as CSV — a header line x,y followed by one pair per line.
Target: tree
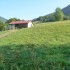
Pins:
x,y
59,15
12,19
1,26
46,18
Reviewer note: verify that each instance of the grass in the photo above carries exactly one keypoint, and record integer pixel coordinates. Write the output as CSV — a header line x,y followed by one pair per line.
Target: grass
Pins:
x,y
45,46
6,33
1,32
52,33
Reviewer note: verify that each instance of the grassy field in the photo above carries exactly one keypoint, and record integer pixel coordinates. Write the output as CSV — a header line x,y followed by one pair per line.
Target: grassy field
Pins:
x,y
45,46
1,32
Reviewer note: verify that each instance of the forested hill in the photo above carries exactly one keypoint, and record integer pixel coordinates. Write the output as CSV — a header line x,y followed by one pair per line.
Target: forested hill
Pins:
x,y
50,17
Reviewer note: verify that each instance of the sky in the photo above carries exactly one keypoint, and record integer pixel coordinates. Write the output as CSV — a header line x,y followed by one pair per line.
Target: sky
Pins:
x,y
29,9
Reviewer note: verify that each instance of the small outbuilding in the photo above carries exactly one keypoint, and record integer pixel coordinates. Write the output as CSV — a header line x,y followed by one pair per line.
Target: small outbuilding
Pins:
x,y
20,24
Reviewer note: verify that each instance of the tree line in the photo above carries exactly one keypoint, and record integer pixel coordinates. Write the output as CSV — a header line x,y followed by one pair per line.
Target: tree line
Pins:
x,y
58,15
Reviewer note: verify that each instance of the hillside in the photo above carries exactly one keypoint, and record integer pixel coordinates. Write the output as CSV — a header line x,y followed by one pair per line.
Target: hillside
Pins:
x,y
42,47
3,19
66,10
41,33
50,17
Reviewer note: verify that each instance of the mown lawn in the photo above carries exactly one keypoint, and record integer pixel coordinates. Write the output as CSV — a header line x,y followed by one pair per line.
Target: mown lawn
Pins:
x,y
45,46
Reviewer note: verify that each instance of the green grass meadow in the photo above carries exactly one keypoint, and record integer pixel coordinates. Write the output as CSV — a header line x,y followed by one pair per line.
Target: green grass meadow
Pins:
x,y
45,46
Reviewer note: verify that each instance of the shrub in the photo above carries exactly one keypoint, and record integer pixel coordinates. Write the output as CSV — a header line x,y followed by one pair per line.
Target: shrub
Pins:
x,y
1,26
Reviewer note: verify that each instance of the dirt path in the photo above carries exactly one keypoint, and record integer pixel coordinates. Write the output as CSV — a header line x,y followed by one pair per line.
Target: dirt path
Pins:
x,y
7,33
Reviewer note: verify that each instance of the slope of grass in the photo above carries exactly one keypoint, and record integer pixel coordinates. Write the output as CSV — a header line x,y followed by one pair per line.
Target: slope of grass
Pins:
x,y
6,33
53,33
45,46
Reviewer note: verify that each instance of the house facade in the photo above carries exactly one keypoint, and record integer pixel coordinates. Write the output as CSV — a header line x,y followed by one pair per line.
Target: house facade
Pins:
x,y
20,24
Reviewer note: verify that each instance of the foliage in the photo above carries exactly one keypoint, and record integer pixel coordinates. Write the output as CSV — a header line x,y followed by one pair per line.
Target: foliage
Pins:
x,y
12,19
58,14
46,18
42,47
64,15
1,26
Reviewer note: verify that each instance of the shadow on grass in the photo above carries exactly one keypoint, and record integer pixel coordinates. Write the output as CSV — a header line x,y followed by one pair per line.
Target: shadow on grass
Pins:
x,y
35,57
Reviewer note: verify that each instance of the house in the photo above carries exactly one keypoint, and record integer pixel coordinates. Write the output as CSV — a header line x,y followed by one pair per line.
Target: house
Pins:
x,y
20,24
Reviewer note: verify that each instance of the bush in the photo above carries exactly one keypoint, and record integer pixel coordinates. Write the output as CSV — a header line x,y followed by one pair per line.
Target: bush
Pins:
x,y
66,17
1,26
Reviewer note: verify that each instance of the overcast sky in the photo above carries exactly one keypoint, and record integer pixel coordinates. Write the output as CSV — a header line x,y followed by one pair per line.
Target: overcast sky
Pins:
x,y
29,9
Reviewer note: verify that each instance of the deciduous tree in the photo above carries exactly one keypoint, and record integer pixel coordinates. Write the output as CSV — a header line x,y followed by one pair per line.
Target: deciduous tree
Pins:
x,y
59,15
12,19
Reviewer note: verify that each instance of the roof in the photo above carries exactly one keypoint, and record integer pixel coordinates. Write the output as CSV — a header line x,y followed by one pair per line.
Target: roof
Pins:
x,y
20,22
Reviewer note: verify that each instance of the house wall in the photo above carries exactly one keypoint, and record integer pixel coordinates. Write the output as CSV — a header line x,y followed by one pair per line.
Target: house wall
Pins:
x,y
30,24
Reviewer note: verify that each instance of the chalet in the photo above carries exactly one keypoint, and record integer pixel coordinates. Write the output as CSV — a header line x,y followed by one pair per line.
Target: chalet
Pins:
x,y
20,24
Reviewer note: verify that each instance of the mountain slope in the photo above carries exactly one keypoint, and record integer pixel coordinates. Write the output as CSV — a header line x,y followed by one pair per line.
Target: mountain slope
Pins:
x,y
50,17
66,10
3,19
